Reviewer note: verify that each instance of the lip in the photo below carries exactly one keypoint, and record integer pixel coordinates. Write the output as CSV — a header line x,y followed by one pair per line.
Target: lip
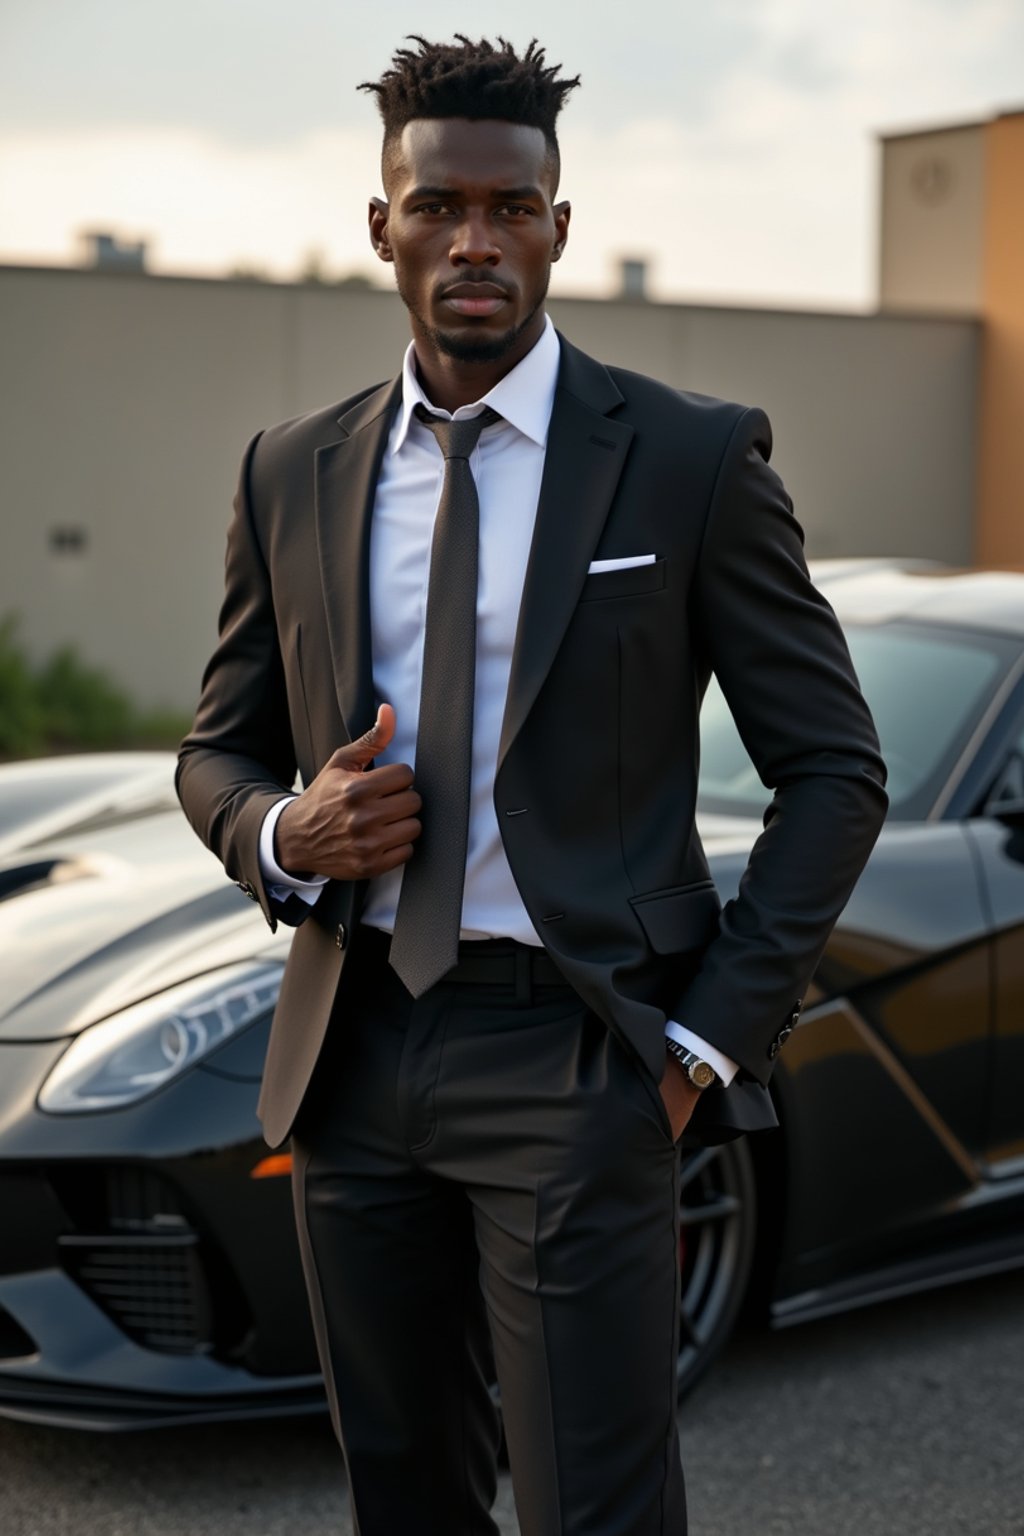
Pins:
x,y
474,298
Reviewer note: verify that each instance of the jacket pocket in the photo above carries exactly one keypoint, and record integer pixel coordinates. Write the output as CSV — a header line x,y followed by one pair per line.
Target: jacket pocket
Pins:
x,y
679,918
624,583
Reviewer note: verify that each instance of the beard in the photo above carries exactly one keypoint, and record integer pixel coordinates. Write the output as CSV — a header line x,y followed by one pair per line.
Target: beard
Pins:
x,y
469,348
479,349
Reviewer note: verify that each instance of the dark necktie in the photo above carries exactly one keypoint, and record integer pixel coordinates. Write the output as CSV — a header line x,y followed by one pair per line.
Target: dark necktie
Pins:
x,y
426,938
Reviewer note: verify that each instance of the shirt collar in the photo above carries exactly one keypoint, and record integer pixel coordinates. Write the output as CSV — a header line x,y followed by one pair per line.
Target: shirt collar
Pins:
x,y
525,397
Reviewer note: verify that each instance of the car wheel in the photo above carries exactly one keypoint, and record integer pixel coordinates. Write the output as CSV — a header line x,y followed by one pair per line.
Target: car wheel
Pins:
x,y
717,1229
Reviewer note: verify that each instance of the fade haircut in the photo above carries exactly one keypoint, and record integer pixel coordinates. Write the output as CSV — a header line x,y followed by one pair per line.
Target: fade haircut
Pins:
x,y
471,80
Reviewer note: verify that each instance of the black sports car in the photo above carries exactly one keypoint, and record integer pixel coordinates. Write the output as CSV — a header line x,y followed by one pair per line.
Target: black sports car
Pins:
x,y
148,1266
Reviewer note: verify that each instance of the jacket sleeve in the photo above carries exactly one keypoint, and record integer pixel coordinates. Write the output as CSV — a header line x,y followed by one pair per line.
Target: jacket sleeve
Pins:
x,y
238,759
780,656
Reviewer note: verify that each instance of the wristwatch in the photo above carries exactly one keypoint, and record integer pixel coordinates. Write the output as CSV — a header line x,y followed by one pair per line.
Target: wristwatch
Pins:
x,y
701,1073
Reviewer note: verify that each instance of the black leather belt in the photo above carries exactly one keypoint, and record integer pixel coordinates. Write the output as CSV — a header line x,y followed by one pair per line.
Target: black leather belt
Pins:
x,y
484,962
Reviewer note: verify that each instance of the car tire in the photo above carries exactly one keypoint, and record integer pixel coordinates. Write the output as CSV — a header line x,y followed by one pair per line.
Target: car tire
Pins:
x,y
717,1235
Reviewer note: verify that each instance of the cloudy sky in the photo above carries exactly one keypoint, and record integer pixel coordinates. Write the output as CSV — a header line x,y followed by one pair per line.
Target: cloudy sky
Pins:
x,y
731,142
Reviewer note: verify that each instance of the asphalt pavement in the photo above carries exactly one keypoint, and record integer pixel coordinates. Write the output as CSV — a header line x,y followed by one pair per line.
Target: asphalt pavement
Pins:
x,y
902,1420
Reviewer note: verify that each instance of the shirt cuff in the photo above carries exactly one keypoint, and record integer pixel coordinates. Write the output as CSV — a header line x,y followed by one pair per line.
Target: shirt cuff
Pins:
x,y
723,1065
279,883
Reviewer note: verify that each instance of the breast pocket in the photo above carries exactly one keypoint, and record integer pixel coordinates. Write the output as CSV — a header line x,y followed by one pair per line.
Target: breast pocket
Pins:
x,y
630,582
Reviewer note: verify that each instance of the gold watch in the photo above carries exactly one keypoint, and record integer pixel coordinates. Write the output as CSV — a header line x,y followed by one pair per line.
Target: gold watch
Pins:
x,y
701,1073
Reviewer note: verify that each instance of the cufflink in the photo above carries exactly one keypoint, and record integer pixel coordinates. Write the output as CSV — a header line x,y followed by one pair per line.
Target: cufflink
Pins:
x,y
784,1033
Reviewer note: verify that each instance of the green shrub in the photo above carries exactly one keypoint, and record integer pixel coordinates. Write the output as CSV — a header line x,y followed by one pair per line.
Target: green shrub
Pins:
x,y
21,716
160,728
67,706
81,706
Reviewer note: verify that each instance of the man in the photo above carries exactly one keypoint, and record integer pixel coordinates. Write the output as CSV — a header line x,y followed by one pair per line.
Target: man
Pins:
x,y
477,608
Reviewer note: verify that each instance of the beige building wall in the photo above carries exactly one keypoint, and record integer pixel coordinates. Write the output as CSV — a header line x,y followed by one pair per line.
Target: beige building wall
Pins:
x,y
932,221
872,416
126,403
1000,515
953,242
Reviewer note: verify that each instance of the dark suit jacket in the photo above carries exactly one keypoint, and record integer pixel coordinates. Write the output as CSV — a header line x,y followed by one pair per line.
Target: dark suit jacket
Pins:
x,y
597,774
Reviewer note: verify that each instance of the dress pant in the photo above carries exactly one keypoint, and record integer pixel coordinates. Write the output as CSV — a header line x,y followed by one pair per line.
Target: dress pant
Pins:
x,y
486,1188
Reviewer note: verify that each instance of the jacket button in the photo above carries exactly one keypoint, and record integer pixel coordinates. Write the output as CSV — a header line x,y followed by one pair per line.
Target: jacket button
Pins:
x,y
773,1049
341,937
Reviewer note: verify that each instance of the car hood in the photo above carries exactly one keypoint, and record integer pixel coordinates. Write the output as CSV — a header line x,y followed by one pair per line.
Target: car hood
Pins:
x,y
117,923
124,913
46,798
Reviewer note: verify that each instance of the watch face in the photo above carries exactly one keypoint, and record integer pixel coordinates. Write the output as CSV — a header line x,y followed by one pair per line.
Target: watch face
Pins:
x,y
701,1074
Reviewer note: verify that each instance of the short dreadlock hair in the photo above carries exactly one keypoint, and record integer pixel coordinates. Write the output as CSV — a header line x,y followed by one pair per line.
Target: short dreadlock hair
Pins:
x,y
472,80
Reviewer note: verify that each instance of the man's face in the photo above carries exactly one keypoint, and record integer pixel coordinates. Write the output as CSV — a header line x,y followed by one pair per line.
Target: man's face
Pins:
x,y
472,229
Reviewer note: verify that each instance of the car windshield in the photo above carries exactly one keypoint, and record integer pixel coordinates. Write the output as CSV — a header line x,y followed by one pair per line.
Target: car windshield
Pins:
x,y
926,688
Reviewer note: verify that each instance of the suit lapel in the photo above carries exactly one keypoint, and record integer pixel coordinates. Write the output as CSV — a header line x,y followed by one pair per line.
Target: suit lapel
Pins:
x,y
346,481
586,451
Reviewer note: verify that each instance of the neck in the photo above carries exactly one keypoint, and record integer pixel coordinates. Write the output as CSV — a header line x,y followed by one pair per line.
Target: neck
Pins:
x,y
449,382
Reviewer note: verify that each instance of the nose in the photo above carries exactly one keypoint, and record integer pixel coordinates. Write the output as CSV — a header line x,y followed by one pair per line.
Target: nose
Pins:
x,y
474,244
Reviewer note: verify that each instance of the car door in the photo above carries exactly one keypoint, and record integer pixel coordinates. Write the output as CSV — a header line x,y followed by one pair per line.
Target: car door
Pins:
x,y
997,833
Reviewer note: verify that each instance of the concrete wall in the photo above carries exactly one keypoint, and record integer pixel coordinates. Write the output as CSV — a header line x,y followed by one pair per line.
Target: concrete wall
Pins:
x,y
932,223
873,416
126,402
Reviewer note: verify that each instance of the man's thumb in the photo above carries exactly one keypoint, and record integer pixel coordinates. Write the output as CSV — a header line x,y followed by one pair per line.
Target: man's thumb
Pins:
x,y
365,748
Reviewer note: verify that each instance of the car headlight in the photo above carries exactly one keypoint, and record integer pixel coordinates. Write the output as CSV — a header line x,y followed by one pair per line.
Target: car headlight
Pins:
x,y
132,1054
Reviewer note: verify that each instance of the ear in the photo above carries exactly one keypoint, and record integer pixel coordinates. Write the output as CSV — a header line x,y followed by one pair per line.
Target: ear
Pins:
x,y
379,212
562,213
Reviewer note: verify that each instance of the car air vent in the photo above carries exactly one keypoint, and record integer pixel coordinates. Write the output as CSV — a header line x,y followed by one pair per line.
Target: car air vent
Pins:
x,y
141,1255
24,876
139,1199
153,1286
123,1197
15,1343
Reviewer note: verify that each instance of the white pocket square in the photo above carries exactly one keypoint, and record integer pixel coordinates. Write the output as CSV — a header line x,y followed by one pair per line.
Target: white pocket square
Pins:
x,y
624,563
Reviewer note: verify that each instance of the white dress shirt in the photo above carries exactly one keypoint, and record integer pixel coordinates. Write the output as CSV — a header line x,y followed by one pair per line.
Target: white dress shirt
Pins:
x,y
507,465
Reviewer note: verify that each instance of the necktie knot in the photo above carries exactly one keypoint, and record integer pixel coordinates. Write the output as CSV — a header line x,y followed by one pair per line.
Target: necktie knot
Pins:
x,y
456,439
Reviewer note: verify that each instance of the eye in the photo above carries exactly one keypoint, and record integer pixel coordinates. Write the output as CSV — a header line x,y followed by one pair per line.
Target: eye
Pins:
x,y
431,209
515,209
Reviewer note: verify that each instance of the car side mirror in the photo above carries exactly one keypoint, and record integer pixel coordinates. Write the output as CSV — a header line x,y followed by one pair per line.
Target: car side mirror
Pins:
x,y
1006,799
1009,811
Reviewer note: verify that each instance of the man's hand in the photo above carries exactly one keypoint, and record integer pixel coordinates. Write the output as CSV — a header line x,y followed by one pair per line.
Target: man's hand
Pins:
x,y
350,824
678,1095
